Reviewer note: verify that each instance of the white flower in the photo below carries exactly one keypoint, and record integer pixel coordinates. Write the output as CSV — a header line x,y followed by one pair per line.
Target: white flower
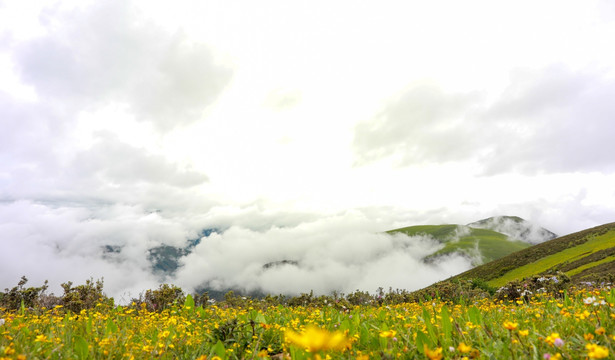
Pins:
x,y
1,322
590,300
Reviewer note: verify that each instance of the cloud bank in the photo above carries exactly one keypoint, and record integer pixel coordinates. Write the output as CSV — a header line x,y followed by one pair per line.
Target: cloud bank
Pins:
x,y
106,52
337,253
548,120
332,254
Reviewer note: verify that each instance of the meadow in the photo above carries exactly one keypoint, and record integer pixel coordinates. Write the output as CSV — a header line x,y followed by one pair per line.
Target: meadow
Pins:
x,y
567,324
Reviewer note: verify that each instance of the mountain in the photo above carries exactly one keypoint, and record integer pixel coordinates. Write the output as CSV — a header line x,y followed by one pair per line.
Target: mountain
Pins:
x,y
165,258
481,241
516,228
584,256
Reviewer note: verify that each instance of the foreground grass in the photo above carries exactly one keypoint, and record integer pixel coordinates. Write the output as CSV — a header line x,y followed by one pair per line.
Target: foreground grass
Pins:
x,y
571,326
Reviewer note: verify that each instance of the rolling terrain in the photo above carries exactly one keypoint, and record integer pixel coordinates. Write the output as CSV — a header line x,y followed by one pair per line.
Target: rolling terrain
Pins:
x,y
482,241
583,256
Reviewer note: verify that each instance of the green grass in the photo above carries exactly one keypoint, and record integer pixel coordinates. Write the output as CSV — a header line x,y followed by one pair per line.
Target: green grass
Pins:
x,y
552,262
541,327
500,267
490,244
439,232
590,265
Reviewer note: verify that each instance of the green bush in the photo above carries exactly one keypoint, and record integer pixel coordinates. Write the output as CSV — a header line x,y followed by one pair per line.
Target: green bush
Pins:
x,y
84,296
19,295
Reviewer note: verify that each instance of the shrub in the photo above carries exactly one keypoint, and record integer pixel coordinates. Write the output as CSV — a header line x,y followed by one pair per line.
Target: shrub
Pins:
x,y
20,295
163,297
84,296
553,284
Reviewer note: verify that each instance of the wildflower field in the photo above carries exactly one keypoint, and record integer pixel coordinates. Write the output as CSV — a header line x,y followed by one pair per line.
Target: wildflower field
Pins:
x,y
572,324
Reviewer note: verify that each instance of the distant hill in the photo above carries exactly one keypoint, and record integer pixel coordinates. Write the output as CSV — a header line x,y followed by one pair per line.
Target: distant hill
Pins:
x,y
583,256
516,228
165,258
481,241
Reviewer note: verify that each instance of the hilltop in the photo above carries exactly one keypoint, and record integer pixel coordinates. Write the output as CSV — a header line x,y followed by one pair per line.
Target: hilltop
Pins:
x,y
481,241
516,228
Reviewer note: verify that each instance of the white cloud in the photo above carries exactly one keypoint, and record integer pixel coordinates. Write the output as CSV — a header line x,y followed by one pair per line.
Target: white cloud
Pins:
x,y
117,163
338,253
551,120
108,53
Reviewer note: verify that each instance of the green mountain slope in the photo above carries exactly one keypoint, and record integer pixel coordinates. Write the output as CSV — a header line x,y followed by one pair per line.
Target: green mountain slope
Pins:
x,y
516,228
584,256
480,245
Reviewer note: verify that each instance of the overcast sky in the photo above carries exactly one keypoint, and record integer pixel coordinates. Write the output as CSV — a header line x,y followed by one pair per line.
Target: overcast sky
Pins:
x,y
140,123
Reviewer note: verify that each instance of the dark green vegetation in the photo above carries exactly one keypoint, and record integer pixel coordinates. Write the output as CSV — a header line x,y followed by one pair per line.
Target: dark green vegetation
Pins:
x,y
481,241
584,256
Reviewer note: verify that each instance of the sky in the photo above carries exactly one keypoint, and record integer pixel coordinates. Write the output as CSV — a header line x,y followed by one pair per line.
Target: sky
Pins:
x,y
299,130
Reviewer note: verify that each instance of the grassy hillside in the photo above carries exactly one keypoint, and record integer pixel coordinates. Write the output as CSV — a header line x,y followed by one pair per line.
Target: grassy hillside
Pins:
x,y
516,228
482,245
583,256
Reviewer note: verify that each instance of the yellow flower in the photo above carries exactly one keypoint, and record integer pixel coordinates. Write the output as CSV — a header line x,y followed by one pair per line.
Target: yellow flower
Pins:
x,y
40,338
388,333
432,354
524,332
463,348
314,339
510,325
595,351
551,338
600,331
588,336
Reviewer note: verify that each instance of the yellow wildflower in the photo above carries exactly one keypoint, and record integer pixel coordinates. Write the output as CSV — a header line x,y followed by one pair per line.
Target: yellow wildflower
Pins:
x,y
595,351
463,348
40,338
314,339
600,331
551,339
432,354
510,325
388,333
588,336
524,332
